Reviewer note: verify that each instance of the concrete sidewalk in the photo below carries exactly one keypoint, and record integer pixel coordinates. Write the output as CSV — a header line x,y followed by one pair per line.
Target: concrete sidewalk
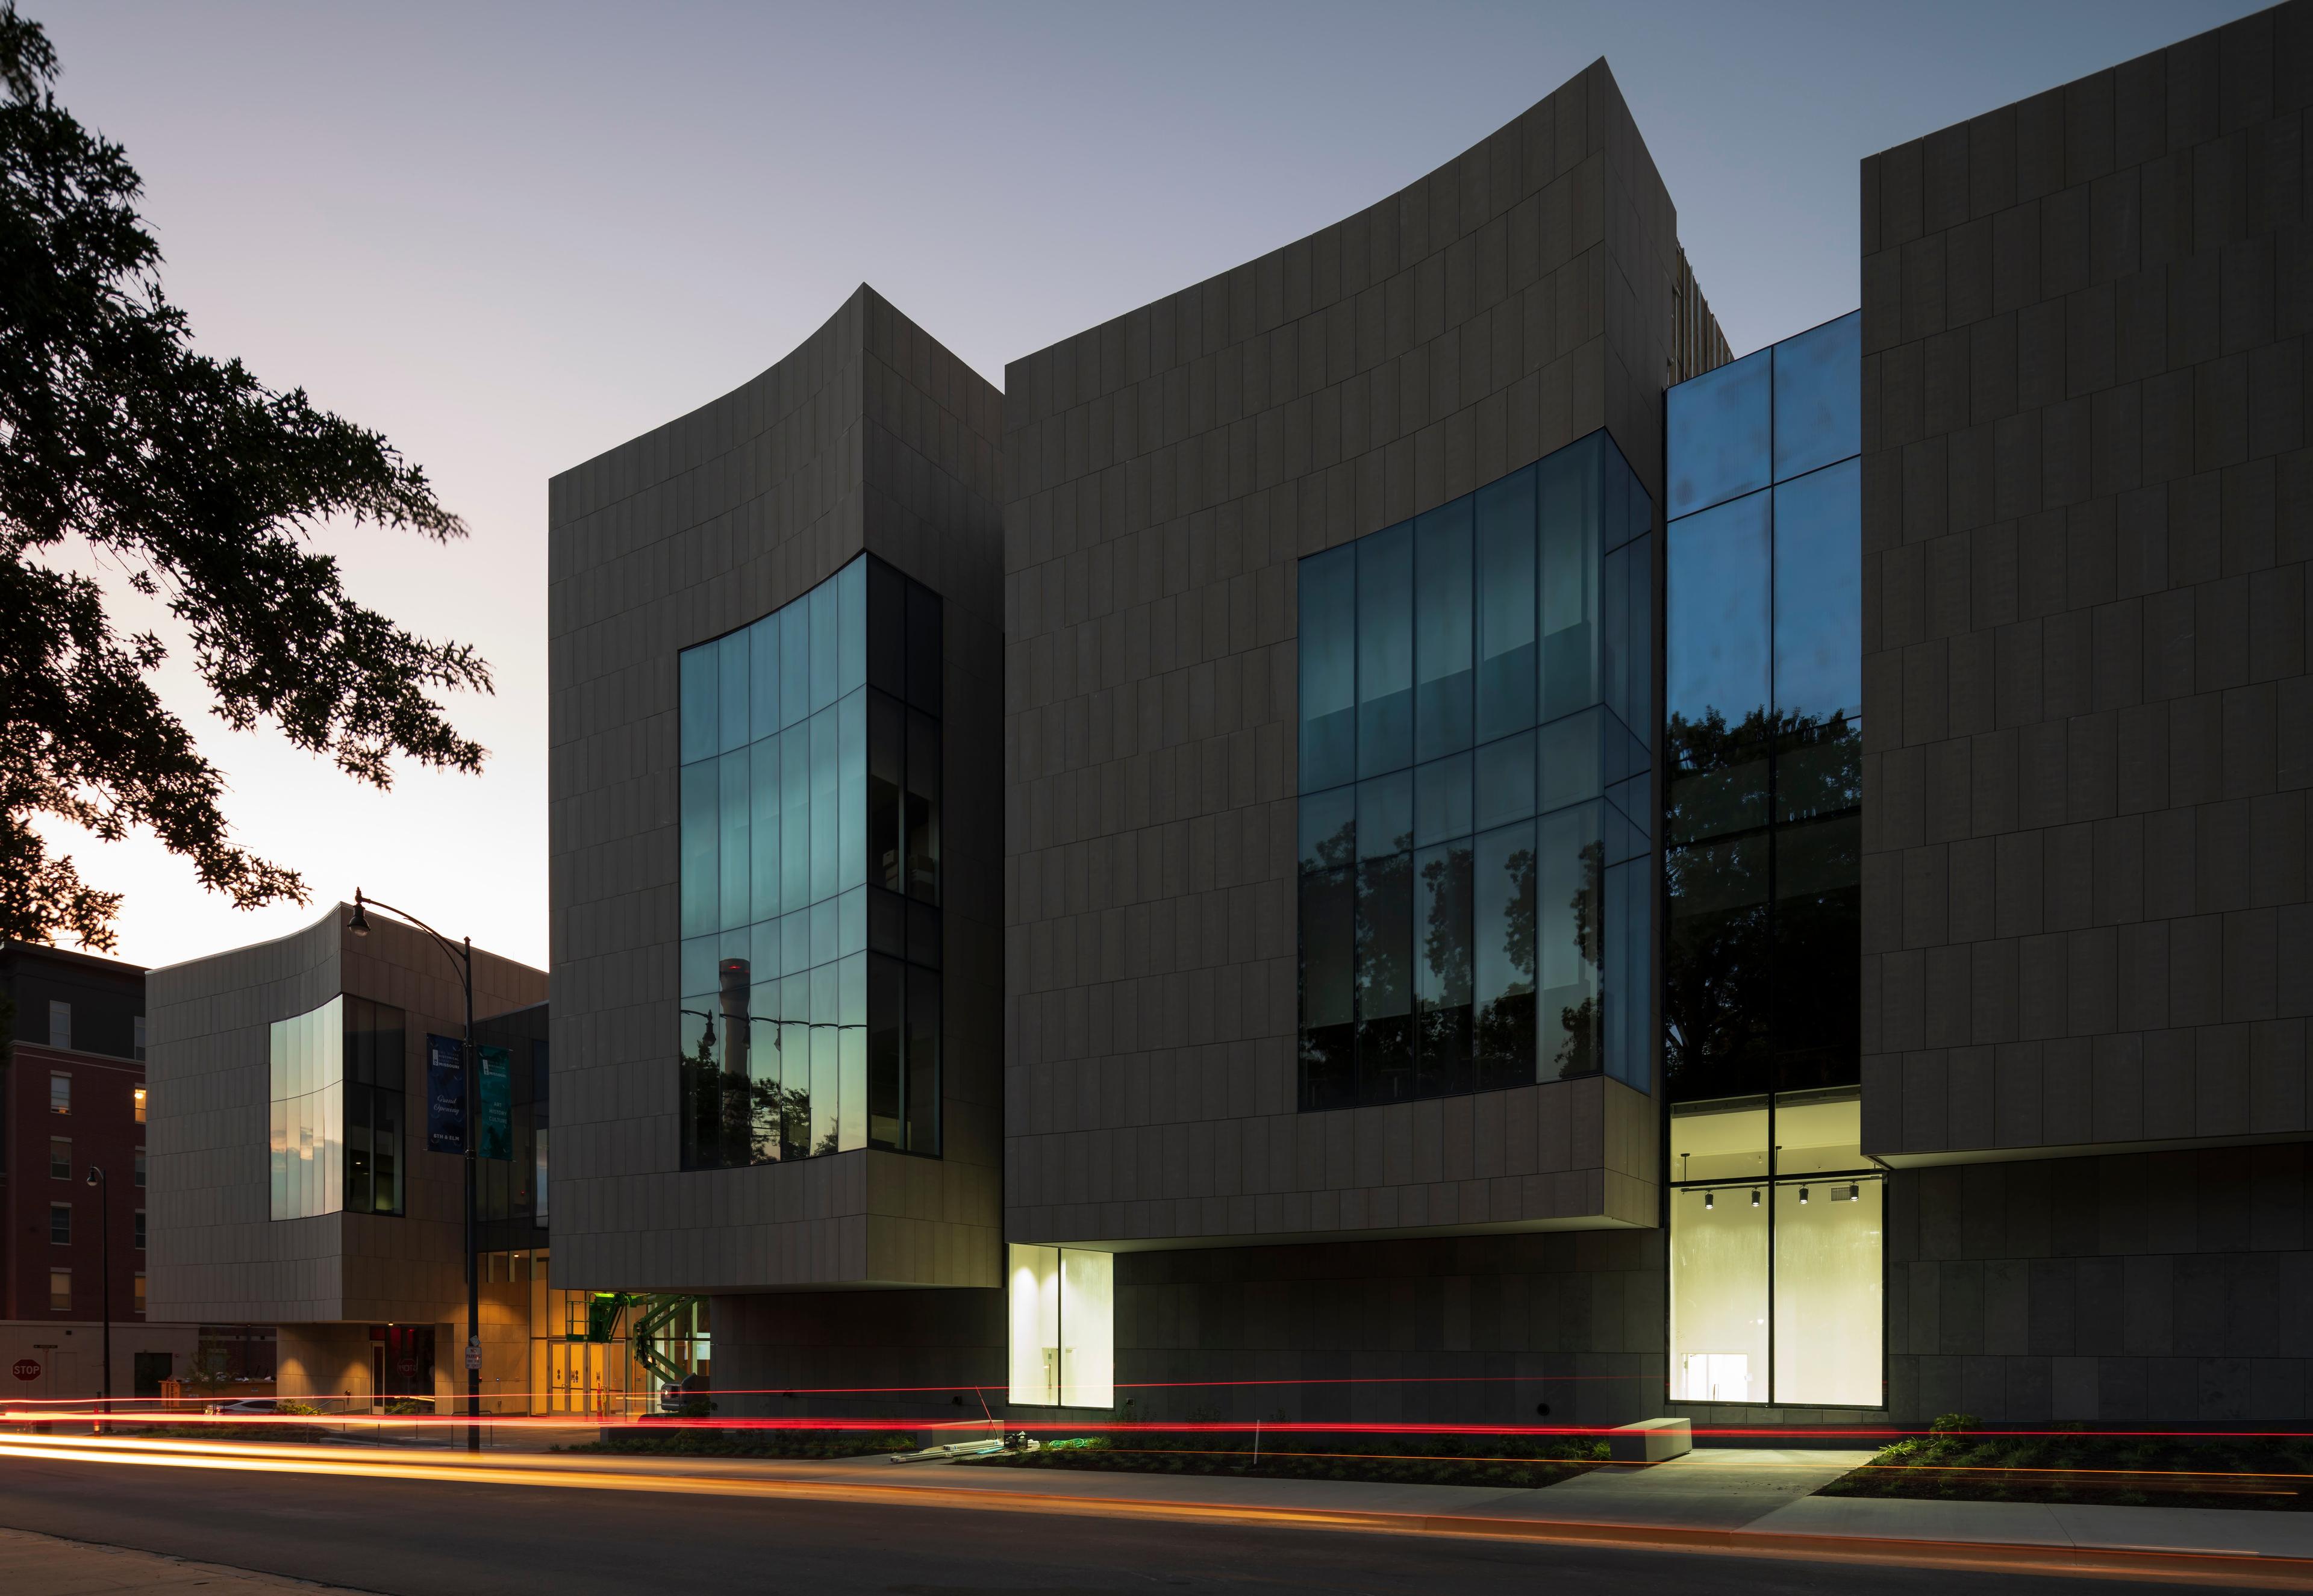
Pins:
x,y
2203,1529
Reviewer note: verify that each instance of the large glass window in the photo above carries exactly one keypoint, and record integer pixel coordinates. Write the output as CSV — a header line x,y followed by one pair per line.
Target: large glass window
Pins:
x,y
811,877
511,1077
1061,1302
1477,693
1762,695
337,1077
1776,1274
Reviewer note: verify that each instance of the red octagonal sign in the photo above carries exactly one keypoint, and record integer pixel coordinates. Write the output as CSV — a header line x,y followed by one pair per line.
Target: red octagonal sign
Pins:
x,y
25,1369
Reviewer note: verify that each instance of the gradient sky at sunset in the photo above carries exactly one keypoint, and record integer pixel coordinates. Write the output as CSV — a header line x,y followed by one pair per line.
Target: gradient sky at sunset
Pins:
x,y
512,236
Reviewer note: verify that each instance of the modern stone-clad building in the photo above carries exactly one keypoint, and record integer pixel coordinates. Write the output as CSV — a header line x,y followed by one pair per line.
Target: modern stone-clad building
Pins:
x,y
776,634
298,1179
1398,835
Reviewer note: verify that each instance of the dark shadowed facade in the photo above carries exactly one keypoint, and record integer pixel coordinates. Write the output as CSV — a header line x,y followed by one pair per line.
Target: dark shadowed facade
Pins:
x,y
2089,948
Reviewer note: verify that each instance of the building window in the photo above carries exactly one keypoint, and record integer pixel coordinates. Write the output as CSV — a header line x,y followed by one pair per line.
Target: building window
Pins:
x,y
140,1291
60,1158
1762,828
140,1167
1062,1302
59,1023
1776,1278
811,877
139,1241
60,1091
140,1101
337,1075
60,1223
60,1299
1477,693
136,1028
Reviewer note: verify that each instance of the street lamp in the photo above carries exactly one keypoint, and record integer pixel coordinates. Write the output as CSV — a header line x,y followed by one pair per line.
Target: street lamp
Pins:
x,y
460,955
105,1278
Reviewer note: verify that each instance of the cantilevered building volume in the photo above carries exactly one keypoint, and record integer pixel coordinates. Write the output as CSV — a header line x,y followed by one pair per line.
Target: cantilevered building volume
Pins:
x,y
1398,816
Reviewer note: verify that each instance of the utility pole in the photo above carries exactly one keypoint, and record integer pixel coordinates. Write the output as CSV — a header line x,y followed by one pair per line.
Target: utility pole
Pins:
x,y
96,1178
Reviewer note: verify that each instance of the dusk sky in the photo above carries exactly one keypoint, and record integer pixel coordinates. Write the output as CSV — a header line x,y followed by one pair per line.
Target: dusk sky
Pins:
x,y
511,237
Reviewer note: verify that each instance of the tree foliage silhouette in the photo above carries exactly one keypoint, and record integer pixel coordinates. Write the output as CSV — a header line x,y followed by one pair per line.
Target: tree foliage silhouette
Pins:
x,y
120,445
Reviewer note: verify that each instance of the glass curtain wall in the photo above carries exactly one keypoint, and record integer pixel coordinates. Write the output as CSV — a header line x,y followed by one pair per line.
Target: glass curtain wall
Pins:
x,y
336,1080
1776,1275
1477,694
1763,829
811,877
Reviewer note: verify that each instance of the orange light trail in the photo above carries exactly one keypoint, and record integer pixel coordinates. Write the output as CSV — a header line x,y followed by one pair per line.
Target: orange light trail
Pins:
x,y
78,1411
2235,1569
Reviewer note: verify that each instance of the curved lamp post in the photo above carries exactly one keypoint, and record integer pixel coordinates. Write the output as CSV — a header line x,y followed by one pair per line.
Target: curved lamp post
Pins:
x,y
460,955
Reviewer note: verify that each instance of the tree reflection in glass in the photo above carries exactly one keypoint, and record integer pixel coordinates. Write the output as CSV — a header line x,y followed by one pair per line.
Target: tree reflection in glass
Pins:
x,y
1503,984
1442,909
1762,949
1579,1024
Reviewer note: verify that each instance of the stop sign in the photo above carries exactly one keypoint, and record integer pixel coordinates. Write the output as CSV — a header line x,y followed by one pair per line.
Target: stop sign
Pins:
x,y
25,1369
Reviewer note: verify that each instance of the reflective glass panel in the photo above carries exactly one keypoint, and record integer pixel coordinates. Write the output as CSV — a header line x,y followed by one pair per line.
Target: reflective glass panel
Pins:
x,y
701,692
1570,509
1820,593
1329,829
1441,800
732,650
1718,429
1385,650
1385,815
1507,666
1442,628
1328,675
1818,397
1503,790
1503,966
1717,639
763,677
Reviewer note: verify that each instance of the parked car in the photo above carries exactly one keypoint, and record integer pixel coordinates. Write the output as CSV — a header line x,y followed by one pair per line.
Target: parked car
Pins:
x,y
247,1405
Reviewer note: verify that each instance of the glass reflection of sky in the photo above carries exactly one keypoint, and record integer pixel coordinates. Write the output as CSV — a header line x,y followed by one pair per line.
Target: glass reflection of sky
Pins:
x,y
1719,425
1820,593
1718,611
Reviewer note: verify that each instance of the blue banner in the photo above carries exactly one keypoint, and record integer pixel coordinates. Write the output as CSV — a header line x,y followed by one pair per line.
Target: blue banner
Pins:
x,y
494,1084
445,1095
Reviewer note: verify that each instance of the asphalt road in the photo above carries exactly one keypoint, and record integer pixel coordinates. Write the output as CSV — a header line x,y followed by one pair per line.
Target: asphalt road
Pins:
x,y
427,1538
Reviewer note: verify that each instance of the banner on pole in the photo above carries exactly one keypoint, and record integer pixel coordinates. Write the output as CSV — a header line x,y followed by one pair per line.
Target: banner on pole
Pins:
x,y
493,1081
445,1095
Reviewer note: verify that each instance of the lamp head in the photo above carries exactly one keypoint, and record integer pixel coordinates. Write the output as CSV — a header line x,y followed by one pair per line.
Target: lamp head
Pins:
x,y
96,1175
359,924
